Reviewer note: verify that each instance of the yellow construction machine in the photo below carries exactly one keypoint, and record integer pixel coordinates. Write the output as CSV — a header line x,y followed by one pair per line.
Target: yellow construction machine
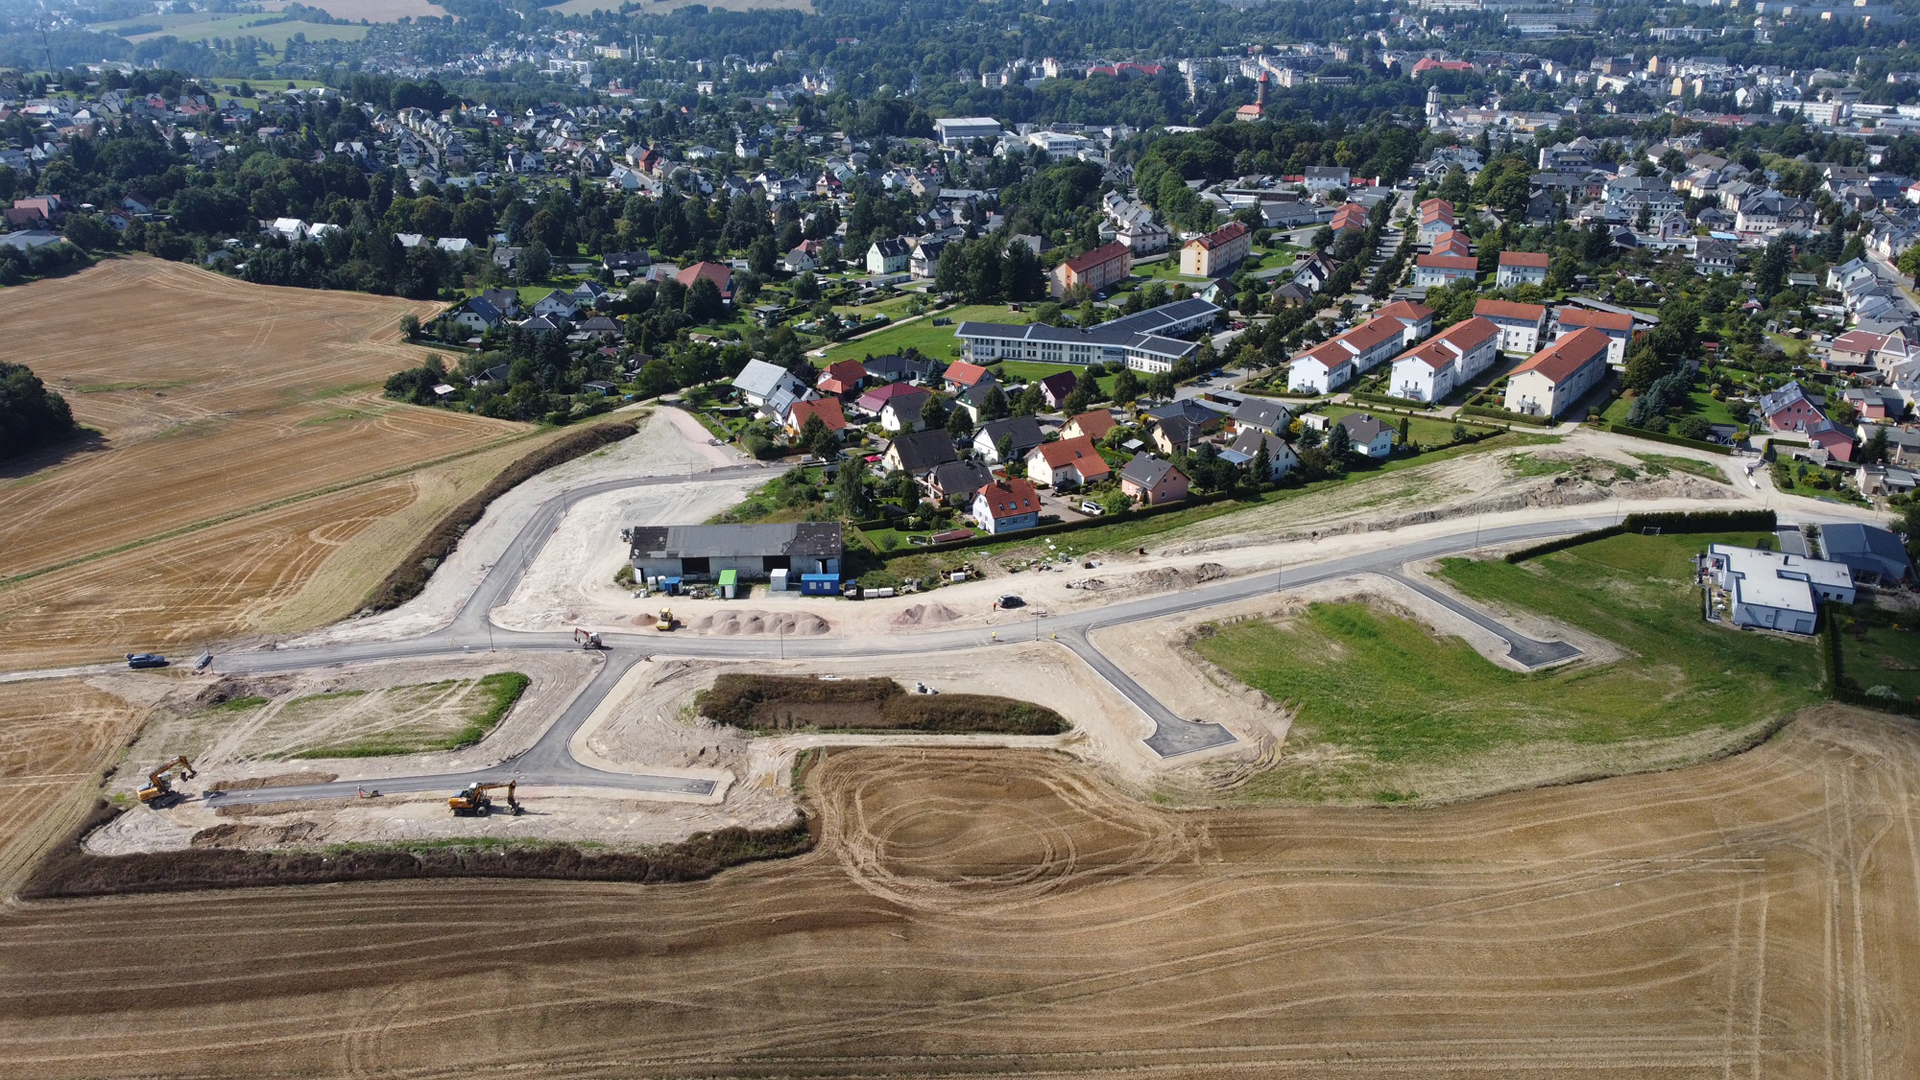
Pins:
x,y
159,790
473,801
665,621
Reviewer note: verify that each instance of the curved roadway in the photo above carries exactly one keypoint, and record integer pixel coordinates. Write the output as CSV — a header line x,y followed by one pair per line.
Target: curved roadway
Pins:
x,y
550,761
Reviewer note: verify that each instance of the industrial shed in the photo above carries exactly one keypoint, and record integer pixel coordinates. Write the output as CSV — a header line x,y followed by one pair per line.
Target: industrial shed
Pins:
x,y
752,552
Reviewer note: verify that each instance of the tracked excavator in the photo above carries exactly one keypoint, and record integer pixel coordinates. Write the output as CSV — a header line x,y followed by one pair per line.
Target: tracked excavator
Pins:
x,y
159,790
474,801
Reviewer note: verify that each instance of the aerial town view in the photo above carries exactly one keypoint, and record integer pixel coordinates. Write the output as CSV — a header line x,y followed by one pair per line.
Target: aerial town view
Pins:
x,y
841,538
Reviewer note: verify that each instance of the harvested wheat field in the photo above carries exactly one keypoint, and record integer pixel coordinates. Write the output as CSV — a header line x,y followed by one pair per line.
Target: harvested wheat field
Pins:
x,y
982,914
243,440
56,737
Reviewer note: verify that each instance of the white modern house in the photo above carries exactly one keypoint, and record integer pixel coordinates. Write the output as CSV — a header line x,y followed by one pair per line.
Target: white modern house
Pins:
x,y
1551,380
1331,364
1521,325
1772,590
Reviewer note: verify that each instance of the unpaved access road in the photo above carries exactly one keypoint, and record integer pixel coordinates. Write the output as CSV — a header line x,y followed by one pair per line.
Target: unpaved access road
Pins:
x,y
1004,913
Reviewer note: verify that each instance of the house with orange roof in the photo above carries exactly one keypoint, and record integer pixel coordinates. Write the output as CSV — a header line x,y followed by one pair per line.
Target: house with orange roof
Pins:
x,y
1439,271
1218,252
1521,268
1332,364
1094,425
842,379
1105,265
1067,463
1008,504
1433,369
1617,325
1553,379
962,375
827,409
1521,325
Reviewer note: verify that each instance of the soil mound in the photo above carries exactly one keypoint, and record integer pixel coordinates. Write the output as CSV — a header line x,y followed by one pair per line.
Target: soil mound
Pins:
x,y
925,615
733,623
276,780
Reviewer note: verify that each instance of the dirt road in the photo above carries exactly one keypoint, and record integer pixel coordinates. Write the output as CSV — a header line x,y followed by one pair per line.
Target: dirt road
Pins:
x,y
998,914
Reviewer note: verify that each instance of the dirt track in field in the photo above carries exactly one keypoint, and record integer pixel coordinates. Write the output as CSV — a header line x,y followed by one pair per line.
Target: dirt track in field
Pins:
x,y
1002,913
229,414
56,736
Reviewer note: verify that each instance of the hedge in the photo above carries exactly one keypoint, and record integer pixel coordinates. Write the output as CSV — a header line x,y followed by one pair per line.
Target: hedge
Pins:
x,y
1675,440
406,580
1387,399
1509,416
1702,521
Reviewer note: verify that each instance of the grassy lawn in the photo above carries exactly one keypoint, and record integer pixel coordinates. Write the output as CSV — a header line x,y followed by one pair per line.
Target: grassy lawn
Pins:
x,y
478,712
199,26
935,341
1420,429
1881,650
1389,713
1661,464
1705,407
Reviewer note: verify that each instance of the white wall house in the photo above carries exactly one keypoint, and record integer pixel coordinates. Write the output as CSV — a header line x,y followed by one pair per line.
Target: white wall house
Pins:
x,y
1521,325
1772,590
1554,378
1431,370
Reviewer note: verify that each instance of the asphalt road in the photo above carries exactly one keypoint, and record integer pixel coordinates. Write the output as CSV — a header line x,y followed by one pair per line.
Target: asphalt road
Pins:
x,y
549,761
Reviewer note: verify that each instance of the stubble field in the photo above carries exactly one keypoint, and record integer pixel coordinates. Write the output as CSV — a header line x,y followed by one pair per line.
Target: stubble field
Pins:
x,y
980,914
244,443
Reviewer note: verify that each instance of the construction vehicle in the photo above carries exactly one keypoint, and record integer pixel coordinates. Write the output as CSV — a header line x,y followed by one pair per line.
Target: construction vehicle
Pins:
x,y
587,639
666,620
474,801
159,790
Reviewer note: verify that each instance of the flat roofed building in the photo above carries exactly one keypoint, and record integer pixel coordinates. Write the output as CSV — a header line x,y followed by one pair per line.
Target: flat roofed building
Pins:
x,y
961,130
1773,590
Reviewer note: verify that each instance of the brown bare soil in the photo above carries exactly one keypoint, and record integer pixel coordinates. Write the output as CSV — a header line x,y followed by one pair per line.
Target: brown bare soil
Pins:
x,y
1004,913
243,442
789,702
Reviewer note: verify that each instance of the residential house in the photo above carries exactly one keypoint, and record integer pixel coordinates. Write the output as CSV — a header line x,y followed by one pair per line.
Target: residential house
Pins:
x,y
1348,216
1436,217
1872,554
1437,271
1332,364
919,453
1521,325
1452,242
828,409
1281,458
599,328
1096,269
1521,268
719,273
799,260
1830,437
905,411
842,379
1790,408
1433,369
556,305
477,315
925,259
760,382
588,294
1022,433
1067,463
955,480
1153,481
1712,256
1773,590
1217,253
1006,505
1094,425
1369,434
888,256
1261,414
1056,388
1177,433
962,375
1616,325
1552,380
1320,178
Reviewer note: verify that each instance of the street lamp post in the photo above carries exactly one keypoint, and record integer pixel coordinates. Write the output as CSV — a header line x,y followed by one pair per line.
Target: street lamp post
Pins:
x,y
783,643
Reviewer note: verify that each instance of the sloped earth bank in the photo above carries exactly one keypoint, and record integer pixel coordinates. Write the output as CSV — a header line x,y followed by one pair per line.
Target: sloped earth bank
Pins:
x,y
1005,913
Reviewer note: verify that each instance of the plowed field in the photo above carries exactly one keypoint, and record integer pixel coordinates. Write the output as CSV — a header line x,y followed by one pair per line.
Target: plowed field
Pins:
x,y
979,914
56,736
244,439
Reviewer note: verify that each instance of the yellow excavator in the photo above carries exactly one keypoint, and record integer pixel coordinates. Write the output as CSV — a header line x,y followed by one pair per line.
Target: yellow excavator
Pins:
x,y
473,801
159,790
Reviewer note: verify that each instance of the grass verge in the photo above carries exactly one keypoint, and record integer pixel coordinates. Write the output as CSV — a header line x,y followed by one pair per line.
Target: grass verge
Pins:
x,y
494,694
1389,712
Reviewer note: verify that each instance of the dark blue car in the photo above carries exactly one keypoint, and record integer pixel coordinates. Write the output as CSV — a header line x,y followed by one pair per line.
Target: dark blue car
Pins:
x,y
145,660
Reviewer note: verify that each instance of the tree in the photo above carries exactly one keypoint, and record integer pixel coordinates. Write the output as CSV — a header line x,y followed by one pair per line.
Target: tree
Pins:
x,y
1003,447
1339,441
657,378
410,326
1459,433
1082,398
1262,466
535,263
816,439
704,303
1032,400
1126,386
960,423
31,416
1874,451
994,405
850,488
1406,426
1310,437
934,413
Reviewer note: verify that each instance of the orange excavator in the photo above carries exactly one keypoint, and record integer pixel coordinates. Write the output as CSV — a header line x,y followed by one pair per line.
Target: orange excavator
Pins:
x,y
159,790
474,801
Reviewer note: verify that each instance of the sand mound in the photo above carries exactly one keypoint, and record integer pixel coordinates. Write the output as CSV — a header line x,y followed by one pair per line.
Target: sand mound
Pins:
x,y
276,780
925,615
1171,577
732,623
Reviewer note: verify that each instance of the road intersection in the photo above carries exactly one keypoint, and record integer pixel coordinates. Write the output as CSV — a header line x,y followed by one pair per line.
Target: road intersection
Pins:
x,y
550,761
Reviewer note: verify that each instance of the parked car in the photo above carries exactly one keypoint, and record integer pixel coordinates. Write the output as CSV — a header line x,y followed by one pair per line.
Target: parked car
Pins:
x,y
145,660
1009,601
1092,509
